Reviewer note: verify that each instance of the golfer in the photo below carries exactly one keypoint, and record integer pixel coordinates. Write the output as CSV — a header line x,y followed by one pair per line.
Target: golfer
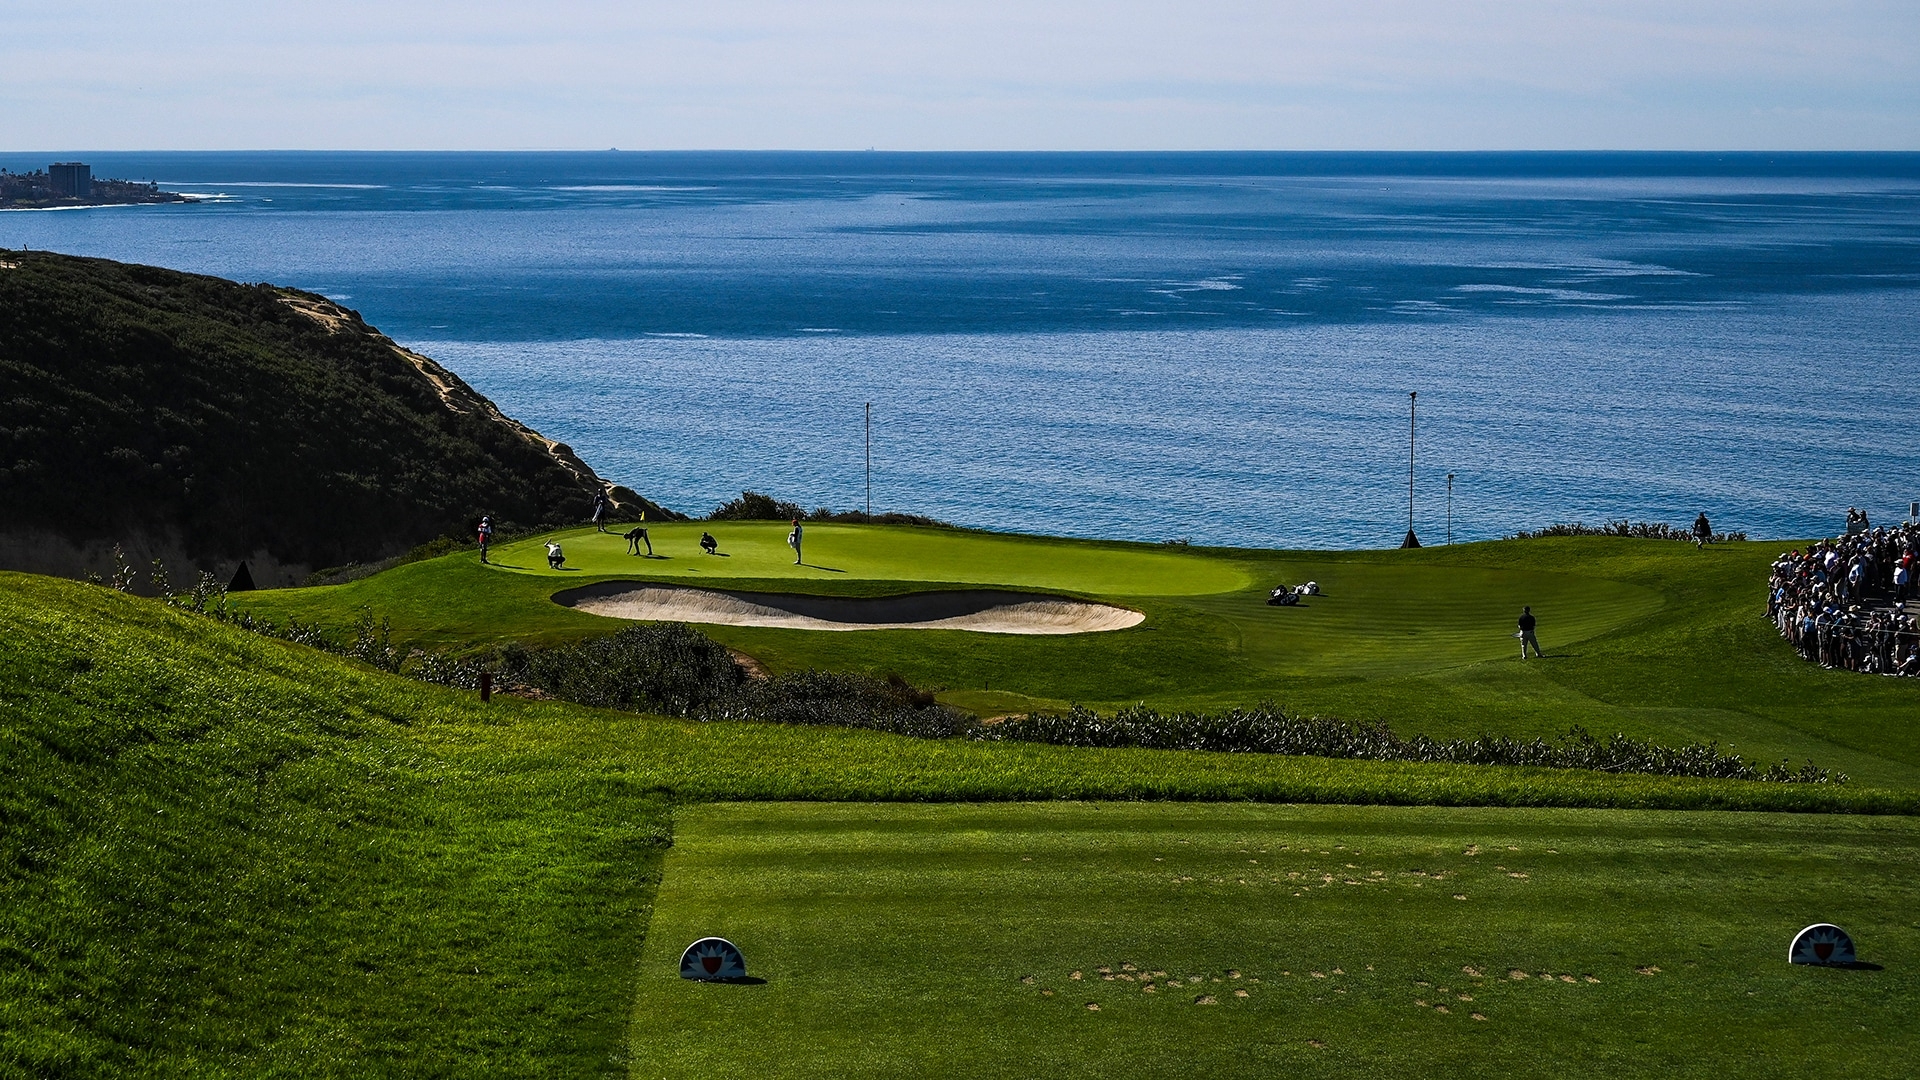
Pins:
x,y
486,536
793,541
1702,531
1526,633
600,511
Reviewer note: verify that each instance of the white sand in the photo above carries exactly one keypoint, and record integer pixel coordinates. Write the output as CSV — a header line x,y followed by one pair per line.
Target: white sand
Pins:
x,y
986,612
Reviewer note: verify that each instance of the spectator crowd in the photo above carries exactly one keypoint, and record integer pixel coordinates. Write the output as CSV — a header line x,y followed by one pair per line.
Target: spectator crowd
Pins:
x,y
1848,602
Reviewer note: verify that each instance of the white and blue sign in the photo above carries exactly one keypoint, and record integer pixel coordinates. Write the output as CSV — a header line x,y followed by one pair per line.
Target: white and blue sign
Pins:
x,y
712,959
1821,943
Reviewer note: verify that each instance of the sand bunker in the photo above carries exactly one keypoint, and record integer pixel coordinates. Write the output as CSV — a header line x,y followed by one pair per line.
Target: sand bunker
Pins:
x,y
982,611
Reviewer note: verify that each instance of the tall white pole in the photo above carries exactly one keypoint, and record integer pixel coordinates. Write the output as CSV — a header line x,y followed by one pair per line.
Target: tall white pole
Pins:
x,y
1413,398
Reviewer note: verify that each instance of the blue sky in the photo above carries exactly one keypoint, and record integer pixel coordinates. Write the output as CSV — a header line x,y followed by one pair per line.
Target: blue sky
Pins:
x,y
984,74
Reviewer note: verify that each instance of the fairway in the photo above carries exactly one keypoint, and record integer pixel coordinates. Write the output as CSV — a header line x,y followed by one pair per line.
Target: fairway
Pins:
x,y
1652,639
1320,940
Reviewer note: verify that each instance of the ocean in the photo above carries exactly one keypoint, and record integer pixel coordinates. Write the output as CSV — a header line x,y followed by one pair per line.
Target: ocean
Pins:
x,y
1219,347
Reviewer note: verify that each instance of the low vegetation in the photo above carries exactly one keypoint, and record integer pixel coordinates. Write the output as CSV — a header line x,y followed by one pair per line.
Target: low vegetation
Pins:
x,y
753,506
1267,729
1638,530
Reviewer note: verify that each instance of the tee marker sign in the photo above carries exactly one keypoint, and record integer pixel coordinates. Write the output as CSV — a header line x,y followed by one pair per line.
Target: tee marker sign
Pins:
x,y
712,959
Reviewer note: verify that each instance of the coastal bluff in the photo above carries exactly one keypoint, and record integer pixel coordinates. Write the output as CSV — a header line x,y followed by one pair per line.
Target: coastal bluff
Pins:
x,y
204,422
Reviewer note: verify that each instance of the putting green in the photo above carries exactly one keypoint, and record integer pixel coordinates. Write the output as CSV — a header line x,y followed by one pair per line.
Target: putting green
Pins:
x,y
758,550
945,940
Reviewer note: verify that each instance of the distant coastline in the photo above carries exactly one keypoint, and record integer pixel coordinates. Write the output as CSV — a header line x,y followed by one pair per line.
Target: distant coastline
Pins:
x,y
70,185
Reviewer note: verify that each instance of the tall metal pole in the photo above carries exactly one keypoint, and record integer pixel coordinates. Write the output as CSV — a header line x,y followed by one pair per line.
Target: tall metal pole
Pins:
x,y
1413,398
869,459
1449,509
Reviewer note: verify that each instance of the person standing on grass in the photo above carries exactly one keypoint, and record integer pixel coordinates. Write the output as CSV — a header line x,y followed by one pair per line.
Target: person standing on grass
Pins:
x,y
1526,633
1702,531
486,536
793,541
600,511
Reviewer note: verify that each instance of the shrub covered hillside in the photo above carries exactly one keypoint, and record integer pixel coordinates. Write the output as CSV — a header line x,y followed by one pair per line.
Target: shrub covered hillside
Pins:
x,y
211,421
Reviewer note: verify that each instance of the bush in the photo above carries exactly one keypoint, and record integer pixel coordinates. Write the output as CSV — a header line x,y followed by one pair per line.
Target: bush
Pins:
x,y
661,667
753,506
843,700
1268,730
1638,530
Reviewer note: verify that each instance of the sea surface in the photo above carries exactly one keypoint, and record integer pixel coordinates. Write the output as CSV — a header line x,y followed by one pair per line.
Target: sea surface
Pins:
x,y
1219,347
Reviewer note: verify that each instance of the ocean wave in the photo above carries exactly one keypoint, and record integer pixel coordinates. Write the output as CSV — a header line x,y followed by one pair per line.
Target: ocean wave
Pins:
x,y
1523,292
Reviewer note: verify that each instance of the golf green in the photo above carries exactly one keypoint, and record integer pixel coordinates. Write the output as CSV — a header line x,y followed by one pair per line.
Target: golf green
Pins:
x,y
1077,939
758,550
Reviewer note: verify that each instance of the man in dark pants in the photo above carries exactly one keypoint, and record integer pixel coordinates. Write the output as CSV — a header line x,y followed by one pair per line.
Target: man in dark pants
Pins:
x,y
1526,633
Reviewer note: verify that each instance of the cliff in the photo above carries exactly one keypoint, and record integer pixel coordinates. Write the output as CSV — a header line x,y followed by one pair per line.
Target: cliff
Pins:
x,y
205,421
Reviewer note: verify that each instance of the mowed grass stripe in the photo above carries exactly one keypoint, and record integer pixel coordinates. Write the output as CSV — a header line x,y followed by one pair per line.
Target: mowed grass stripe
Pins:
x,y
1327,941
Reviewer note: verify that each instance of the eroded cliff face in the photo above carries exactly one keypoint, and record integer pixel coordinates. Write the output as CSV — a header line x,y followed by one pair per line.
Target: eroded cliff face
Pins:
x,y
204,421
464,400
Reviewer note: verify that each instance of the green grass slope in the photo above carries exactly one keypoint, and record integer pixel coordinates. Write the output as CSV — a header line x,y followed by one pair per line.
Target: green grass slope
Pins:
x,y
220,856
225,855
1654,639
975,941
